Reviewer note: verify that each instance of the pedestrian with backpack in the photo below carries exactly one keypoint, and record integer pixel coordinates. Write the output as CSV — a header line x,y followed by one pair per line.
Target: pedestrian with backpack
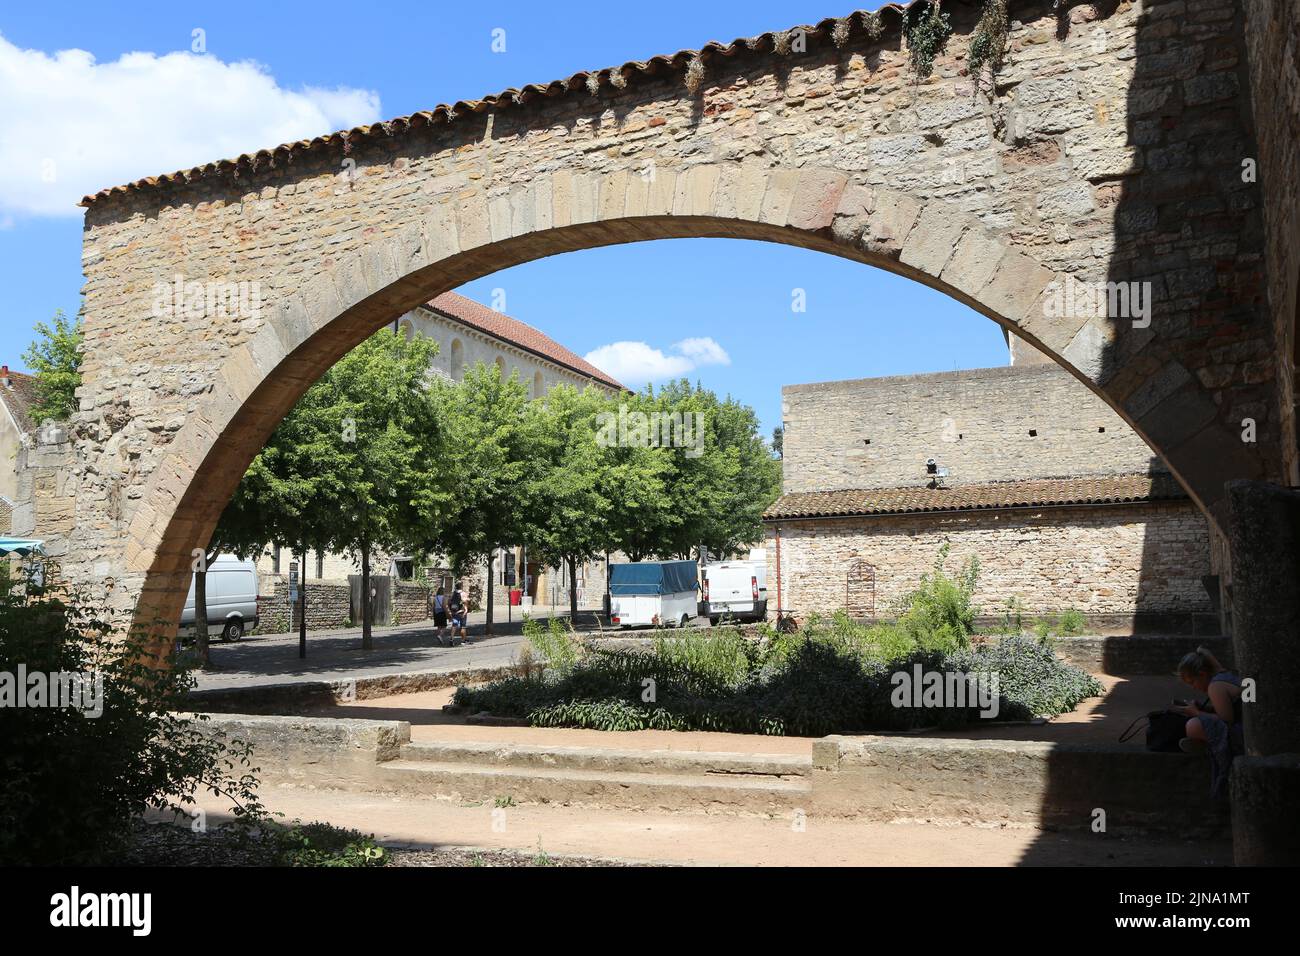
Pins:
x,y
459,613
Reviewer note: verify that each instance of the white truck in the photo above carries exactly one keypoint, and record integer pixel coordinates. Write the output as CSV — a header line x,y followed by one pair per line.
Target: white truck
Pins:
x,y
653,594
735,591
232,598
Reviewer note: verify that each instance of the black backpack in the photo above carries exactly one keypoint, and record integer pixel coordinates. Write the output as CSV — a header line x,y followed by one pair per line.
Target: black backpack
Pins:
x,y
1164,729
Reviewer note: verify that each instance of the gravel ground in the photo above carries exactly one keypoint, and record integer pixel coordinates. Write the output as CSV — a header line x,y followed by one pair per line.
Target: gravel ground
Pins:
x,y
166,844
469,856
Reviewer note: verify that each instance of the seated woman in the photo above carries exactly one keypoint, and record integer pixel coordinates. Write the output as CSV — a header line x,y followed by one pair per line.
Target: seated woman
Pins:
x,y
1214,724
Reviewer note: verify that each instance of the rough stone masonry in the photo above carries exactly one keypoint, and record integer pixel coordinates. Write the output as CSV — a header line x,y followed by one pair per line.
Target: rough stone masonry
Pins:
x,y
1109,148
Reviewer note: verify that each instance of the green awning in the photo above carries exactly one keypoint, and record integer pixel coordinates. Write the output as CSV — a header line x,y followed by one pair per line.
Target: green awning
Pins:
x,y
21,546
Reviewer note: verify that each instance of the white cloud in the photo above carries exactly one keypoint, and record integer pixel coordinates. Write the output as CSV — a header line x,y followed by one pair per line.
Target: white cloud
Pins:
x,y
73,126
636,363
703,351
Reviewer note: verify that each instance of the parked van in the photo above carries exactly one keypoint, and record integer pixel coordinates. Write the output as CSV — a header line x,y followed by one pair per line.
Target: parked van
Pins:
x,y
734,590
232,598
653,594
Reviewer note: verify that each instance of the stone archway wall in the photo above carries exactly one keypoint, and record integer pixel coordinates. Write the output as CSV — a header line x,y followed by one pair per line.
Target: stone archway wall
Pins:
x,y
997,199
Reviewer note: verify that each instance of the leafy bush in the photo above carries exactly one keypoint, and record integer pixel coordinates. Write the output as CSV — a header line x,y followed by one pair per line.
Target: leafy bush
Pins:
x,y
73,784
1072,623
554,642
927,31
1032,680
322,844
722,655
938,615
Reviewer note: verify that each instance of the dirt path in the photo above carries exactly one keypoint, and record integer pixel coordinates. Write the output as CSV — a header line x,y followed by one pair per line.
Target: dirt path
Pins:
x,y
700,839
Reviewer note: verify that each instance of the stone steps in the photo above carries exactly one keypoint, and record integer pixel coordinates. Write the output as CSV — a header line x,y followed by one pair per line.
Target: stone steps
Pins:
x,y
766,784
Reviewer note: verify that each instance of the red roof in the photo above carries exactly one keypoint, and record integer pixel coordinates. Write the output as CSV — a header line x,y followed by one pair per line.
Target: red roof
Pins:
x,y
1037,492
19,397
513,332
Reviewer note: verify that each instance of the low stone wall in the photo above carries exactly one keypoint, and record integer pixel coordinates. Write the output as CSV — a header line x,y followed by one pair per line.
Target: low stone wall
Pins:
x,y
1138,653
329,606
315,752
1014,782
295,696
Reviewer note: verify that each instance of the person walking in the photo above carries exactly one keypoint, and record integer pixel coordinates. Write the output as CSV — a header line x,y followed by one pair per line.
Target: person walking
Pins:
x,y
459,612
440,617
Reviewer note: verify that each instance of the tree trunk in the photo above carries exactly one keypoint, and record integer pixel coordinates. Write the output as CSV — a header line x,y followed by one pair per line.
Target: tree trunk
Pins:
x,y
302,605
201,614
573,591
367,638
487,628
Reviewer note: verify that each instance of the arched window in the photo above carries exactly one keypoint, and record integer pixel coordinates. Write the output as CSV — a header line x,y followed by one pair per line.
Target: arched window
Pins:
x,y
407,328
501,366
539,386
457,360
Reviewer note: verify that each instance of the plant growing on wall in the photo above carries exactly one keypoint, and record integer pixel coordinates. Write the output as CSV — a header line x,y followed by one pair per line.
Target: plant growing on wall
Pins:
x,y
988,44
927,31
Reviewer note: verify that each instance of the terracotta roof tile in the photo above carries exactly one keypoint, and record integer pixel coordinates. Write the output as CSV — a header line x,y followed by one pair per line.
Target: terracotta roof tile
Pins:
x,y
860,25
1101,489
512,331
19,398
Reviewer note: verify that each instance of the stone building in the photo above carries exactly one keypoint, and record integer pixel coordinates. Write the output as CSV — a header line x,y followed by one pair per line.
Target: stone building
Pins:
x,y
17,392
1063,504
467,334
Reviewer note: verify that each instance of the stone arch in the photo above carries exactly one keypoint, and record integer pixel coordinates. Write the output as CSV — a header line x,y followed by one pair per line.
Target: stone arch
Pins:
x,y
539,385
500,363
931,241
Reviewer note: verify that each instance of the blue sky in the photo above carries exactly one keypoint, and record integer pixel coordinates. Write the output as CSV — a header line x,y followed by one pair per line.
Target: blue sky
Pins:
x,y
320,66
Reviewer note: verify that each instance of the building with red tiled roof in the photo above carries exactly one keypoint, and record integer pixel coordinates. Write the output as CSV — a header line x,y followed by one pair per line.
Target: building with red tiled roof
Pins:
x,y
17,396
467,333
1020,467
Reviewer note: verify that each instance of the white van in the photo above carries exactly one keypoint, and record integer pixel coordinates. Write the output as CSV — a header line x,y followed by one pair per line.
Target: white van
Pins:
x,y
735,590
653,594
232,598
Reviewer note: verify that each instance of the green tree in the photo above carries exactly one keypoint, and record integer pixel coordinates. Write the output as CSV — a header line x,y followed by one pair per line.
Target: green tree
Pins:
x,y
701,477
489,441
570,522
55,357
636,479
353,467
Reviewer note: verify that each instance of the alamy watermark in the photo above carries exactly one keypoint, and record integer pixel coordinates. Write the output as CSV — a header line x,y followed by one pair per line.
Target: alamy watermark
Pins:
x,y
958,690
66,690
207,300
629,429
1100,300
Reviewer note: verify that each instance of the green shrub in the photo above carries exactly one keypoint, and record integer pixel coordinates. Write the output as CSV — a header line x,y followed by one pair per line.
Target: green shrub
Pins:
x,y
927,30
556,644
938,615
1043,629
73,784
1072,623
721,655
1012,617
321,844
1032,680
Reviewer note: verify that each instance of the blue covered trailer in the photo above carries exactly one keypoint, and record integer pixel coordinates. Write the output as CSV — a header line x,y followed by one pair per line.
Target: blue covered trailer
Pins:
x,y
653,593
